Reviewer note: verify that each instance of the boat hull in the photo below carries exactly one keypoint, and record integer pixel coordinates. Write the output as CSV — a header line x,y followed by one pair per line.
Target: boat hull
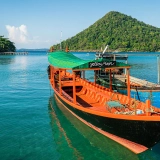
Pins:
x,y
146,133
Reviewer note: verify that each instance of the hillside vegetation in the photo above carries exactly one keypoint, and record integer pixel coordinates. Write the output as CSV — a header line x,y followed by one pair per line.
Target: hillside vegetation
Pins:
x,y
119,31
6,45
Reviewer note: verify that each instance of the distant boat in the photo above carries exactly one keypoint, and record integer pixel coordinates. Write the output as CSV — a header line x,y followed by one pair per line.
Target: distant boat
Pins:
x,y
110,55
132,123
119,75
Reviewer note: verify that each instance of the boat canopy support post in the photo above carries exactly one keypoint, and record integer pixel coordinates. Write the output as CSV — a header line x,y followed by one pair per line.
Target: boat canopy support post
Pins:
x,y
51,72
52,76
74,87
83,74
128,84
110,79
60,85
95,76
148,104
64,72
114,57
125,71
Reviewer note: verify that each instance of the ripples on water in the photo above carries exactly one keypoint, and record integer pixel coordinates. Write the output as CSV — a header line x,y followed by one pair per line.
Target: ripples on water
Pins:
x,y
33,127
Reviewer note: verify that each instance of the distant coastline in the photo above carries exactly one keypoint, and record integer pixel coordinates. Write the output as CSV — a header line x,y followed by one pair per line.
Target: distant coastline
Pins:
x,y
27,50
113,51
46,50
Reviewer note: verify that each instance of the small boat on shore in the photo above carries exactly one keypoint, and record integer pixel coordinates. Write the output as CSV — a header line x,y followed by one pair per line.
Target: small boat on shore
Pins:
x,y
132,123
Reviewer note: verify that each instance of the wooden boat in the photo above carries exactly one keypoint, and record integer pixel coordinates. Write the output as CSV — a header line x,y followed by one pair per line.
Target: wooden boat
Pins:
x,y
66,124
119,76
134,124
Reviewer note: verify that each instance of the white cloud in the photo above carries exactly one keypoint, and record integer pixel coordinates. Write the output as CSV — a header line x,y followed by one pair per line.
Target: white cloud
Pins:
x,y
17,34
20,36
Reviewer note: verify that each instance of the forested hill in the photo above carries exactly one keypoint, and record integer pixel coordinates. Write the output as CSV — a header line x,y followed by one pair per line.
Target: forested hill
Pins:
x,y
6,45
119,31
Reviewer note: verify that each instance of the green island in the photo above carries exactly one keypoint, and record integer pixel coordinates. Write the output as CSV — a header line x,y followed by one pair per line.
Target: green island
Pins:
x,y
6,45
121,32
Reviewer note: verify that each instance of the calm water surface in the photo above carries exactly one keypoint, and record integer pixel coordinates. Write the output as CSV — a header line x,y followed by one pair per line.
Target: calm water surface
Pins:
x,y
33,125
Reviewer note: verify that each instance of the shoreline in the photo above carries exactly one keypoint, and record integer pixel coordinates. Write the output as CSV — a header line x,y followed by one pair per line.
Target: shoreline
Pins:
x,y
110,51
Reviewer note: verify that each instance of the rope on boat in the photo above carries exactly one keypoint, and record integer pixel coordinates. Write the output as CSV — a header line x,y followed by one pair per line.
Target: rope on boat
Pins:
x,y
137,93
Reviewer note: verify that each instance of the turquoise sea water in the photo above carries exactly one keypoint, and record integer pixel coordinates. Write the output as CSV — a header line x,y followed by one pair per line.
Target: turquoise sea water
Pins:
x,y
34,126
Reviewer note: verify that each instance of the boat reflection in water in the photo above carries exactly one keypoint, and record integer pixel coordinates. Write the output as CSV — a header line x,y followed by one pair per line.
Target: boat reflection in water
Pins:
x,y
75,140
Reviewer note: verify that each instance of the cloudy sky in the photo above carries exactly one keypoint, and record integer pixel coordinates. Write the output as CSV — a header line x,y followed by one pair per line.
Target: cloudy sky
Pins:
x,y
39,23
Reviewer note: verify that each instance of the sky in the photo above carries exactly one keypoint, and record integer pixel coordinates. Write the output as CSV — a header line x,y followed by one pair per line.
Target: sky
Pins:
x,y
34,24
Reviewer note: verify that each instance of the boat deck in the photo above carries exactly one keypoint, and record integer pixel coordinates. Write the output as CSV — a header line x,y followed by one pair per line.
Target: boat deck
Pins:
x,y
100,105
96,103
93,104
96,97
141,84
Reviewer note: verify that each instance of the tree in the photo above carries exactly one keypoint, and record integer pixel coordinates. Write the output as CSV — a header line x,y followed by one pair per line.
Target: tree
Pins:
x,y
6,45
119,31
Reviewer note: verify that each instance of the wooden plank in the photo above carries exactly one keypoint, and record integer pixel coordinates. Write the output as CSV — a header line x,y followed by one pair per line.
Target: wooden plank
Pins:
x,y
140,82
13,53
